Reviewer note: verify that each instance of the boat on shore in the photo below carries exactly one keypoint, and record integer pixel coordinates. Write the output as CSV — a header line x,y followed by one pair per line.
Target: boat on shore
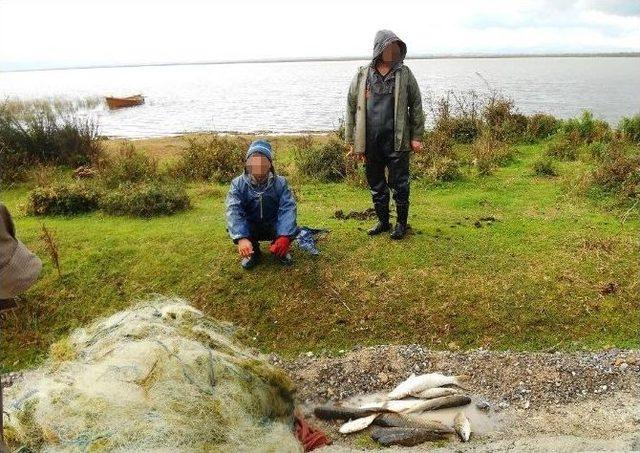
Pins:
x,y
119,103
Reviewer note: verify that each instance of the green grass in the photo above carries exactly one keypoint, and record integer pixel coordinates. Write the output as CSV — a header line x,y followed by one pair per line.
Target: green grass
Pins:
x,y
529,281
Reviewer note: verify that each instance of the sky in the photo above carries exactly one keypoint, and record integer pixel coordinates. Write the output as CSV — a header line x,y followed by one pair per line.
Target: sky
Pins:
x,y
72,33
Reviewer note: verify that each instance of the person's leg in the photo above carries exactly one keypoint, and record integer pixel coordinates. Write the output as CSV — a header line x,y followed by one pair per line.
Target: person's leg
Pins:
x,y
257,234
374,170
399,182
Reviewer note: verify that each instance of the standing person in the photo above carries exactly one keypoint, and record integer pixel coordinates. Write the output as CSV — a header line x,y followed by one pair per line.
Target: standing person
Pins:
x,y
261,207
384,122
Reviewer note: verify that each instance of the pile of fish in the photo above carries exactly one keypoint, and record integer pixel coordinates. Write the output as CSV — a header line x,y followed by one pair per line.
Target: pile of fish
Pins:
x,y
395,418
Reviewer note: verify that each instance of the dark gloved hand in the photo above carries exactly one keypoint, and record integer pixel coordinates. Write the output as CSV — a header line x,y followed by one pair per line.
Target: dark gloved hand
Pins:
x,y
280,246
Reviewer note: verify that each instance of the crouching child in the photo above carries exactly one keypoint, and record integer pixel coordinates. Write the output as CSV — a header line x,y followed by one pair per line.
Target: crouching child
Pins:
x,y
261,207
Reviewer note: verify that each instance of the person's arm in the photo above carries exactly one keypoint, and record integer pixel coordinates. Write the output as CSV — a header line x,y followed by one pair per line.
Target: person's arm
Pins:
x,y
286,224
237,223
416,114
350,118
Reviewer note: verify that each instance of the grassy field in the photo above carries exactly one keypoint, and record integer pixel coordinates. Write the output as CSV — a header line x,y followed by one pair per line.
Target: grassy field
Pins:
x,y
557,269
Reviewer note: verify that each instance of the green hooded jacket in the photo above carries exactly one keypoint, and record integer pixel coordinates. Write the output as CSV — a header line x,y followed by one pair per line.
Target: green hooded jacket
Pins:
x,y
409,117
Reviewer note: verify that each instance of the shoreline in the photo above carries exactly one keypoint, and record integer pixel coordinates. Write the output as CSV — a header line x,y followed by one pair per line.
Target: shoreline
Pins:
x,y
630,54
536,400
227,133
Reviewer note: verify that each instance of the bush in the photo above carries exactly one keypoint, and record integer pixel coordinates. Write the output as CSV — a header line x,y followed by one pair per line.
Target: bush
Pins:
x,y
463,117
128,166
619,172
545,166
444,169
457,115
563,147
325,162
438,161
216,158
587,129
502,121
41,137
420,164
63,199
464,130
630,128
145,199
541,126
490,153
356,175
597,150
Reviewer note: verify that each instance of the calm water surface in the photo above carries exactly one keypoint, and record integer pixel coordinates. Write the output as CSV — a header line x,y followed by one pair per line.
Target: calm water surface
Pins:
x,y
310,96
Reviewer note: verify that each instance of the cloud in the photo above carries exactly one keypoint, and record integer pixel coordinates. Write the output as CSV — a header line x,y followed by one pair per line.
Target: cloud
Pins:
x,y
616,7
83,33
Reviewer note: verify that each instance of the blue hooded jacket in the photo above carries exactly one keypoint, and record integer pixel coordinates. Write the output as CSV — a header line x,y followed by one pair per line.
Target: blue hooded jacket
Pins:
x,y
269,203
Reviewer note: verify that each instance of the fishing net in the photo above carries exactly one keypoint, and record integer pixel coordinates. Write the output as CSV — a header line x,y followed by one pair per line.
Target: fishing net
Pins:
x,y
158,377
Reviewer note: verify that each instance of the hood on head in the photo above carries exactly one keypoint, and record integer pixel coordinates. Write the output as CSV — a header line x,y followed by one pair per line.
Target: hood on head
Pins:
x,y
383,39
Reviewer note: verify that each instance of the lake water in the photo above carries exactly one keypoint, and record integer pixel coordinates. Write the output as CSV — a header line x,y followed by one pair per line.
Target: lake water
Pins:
x,y
310,96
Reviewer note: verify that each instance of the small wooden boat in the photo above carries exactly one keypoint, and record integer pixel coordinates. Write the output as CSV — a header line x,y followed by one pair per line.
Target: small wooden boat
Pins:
x,y
119,103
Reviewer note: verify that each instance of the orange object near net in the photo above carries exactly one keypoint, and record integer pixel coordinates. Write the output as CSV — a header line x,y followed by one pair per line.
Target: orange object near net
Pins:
x,y
310,438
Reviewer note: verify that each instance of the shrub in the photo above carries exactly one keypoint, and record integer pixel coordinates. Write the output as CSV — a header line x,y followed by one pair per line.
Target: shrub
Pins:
x,y
145,199
42,137
541,126
545,166
464,130
438,161
325,162
439,143
619,171
216,158
444,169
489,153
128,166
356,174
502,120
562,146
63,199
597,150
587,129
420,164
630,128
463,117
13,165
457,115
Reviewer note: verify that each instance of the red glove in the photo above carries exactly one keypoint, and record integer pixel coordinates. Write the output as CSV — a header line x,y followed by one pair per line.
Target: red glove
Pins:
x,y
280,246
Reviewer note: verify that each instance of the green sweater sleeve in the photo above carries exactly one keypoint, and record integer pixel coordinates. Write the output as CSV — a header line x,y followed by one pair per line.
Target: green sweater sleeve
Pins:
x,y
416,114
350,118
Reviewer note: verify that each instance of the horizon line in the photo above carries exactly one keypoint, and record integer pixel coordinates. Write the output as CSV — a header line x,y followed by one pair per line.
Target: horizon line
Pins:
x,y
345,58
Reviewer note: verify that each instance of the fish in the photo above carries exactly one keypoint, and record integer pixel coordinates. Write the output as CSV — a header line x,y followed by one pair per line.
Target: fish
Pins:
x,y
415,384
353,426
390,420
407,437
397,406
329,412
446,401
436,392
414,405
462,426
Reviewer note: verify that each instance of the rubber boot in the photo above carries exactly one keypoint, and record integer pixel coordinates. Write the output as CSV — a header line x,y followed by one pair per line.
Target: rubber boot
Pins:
x,y
401,225
286,260
382,212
